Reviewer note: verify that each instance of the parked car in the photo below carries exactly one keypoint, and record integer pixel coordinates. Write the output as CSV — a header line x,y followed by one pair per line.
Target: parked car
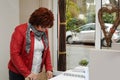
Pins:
x,y
87,34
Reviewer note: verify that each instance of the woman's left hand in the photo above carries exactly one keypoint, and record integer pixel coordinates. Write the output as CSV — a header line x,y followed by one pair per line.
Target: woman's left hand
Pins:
x,y
49,74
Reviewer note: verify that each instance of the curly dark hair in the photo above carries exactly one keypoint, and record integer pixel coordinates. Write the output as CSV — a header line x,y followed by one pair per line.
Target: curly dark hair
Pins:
x,y
43,17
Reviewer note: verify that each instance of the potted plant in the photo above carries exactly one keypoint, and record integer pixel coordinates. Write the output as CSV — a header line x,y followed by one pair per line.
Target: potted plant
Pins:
x,y
83,62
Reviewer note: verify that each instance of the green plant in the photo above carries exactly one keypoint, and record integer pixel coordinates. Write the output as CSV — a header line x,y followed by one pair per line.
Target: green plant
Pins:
x,y
83,62
74,23
109,18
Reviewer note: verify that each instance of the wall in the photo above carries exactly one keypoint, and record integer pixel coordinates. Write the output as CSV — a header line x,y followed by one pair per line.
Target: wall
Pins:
x,y
104,65
26,9
9,18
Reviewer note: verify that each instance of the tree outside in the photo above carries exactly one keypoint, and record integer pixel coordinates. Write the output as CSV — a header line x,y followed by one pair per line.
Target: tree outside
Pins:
x,y
75,8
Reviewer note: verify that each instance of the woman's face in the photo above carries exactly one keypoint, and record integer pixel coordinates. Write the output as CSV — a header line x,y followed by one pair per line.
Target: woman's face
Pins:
x,y
39,28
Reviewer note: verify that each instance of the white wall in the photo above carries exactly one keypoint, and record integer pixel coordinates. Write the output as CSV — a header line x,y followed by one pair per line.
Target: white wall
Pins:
x,y
104,65
9,18
26,9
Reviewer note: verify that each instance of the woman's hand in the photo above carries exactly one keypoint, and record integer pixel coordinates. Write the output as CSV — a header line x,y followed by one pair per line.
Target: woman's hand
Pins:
x,y
33,76
49,74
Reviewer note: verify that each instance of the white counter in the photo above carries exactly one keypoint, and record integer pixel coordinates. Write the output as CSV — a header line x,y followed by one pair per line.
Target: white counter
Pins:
x,y
78,73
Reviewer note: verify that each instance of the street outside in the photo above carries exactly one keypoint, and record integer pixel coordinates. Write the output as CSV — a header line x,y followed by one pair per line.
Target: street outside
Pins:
x,y
77,52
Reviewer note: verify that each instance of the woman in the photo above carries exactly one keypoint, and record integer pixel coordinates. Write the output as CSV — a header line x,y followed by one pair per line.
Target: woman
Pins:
x,y
29,47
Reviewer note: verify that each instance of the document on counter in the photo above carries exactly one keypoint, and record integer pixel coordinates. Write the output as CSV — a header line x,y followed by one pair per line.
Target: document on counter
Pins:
x,y
78,73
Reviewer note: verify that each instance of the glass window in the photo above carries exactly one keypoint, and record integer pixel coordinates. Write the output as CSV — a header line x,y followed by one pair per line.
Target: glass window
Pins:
x,y
80,30
80,16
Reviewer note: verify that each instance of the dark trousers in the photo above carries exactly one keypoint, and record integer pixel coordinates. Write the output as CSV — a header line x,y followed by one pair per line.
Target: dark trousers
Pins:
x,y
15,76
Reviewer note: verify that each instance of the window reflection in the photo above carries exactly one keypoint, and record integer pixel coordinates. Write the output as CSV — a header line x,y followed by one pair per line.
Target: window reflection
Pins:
x,y
80,15
80,30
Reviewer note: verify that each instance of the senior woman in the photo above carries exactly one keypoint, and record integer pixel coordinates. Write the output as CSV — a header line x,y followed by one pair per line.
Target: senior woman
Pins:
x,y
29,47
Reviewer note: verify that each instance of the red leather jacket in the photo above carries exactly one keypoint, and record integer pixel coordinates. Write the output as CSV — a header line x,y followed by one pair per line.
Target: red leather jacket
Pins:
x,y
20,60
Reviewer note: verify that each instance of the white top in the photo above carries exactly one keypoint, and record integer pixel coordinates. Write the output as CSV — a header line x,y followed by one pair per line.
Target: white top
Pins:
x,y
37,57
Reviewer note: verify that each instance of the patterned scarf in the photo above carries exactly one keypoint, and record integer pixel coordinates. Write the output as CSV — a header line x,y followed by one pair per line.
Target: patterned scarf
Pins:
x,y
38,35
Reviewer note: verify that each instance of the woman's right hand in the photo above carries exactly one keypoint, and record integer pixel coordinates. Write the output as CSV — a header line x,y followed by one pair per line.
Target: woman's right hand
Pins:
x,y
33,76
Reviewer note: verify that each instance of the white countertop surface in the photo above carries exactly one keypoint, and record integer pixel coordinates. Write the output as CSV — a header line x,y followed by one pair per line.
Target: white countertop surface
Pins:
x,y
78,73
